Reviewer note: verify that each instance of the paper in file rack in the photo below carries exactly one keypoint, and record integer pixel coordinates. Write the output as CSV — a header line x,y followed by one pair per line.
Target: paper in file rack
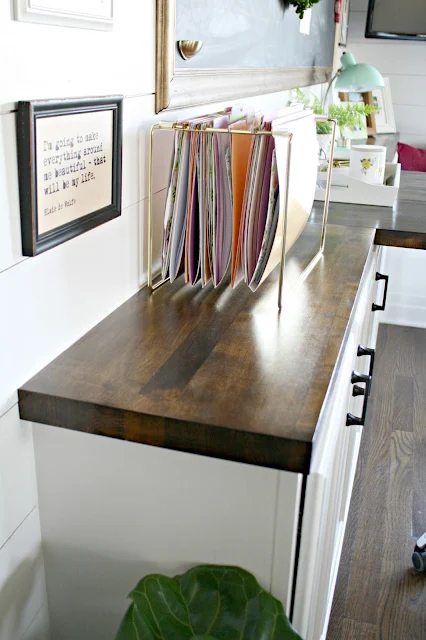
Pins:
x,y
301,190
241,163
227,194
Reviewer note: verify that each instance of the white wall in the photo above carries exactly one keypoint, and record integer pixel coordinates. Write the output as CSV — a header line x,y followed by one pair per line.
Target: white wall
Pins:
x,y
406,299
404,62
48,302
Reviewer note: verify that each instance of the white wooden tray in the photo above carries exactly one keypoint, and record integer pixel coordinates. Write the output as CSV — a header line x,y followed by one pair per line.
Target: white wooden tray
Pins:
x,y
347,189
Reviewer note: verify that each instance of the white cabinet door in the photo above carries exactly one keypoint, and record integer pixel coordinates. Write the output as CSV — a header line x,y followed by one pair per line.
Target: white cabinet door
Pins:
x,y
332,473
368,338
322,508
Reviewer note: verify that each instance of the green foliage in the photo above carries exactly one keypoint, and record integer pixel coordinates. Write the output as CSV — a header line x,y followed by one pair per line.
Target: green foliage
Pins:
x,y
324,128
313,103
309,102
302,5
350,114
300,96
347,114
205,603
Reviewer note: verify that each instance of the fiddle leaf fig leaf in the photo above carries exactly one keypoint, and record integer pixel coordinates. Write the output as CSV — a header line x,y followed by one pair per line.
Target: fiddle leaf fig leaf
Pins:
x,y
205,603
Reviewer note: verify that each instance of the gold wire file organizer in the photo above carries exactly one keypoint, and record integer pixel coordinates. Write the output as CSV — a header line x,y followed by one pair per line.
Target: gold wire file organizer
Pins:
x,y
174,126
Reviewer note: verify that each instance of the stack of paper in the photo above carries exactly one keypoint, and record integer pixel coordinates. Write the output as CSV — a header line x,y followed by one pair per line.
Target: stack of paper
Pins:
x,y
225,201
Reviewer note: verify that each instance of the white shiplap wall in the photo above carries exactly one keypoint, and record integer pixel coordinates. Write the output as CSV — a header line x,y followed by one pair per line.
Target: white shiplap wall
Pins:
x,y
48,302
404,62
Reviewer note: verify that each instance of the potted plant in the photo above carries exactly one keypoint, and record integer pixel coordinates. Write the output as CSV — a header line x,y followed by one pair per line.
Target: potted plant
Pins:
x,y
324,137
349,115
323,128
206,603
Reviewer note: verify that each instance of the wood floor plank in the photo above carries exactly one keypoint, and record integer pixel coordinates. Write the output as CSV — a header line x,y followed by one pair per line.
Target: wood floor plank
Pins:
x,y
419,486
419,426
342,585
396,349
378,594
375,471
403,402
354,630
401,598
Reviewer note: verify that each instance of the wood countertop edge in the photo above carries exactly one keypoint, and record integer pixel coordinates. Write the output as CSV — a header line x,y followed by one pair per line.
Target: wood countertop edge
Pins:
x,y
343,344
226,443
401,239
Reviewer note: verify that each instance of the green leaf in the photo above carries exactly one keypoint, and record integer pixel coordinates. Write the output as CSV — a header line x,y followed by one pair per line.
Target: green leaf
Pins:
x,y
350,114
302,5
206,603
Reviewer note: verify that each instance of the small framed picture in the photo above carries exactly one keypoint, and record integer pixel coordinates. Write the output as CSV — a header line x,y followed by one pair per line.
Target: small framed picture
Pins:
x,y
344,23
362,98
69,160
385,118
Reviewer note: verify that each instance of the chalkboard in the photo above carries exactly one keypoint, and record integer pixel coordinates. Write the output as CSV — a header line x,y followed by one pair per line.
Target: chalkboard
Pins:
x,y
249,47
254,33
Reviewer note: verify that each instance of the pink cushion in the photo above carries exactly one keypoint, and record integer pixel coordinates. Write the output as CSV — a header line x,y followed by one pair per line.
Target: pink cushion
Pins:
x,y
411,159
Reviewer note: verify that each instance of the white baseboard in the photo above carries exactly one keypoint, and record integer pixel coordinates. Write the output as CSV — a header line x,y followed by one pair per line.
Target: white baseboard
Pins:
x,y
405,310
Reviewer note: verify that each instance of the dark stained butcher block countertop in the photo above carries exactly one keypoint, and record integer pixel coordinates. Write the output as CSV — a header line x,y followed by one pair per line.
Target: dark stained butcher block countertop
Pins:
x,y
402,226
221,372
217,372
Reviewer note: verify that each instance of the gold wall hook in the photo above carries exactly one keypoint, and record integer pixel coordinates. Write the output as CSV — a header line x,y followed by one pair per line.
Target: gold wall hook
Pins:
x,y
189,48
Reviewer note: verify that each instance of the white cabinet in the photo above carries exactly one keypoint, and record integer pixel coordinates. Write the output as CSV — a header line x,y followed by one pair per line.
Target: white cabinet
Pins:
x,y
128,509
330,482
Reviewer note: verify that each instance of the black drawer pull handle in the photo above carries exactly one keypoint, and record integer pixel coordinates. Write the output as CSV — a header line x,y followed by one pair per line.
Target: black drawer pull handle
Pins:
x,y
357,391
381,307
366,351
360,377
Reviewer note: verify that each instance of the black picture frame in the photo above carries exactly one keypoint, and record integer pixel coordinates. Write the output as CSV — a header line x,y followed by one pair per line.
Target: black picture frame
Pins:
x,y
29,114
371,33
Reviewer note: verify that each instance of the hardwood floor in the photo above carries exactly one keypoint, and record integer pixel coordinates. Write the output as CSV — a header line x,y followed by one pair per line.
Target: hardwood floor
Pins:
x,y
379,596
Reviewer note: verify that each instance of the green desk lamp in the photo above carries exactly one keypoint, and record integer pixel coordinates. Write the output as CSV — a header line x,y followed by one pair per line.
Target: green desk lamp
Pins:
x,y
355,77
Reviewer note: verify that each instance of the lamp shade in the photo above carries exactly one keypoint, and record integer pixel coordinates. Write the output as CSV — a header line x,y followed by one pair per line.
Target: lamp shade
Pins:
x,y
358,77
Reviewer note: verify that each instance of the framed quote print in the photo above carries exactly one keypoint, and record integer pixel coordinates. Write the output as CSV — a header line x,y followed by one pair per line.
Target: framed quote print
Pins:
x,y
69,160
